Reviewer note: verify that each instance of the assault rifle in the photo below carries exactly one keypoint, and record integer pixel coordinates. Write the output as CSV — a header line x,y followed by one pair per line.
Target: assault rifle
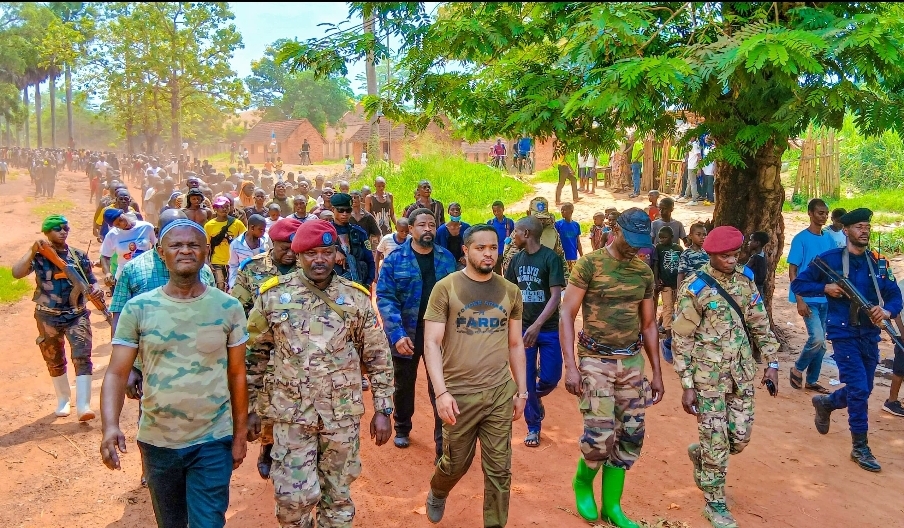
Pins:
x,y
858,301
80,286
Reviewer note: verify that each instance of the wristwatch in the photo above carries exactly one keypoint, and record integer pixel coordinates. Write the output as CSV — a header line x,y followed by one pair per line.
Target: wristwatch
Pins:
x,y
773,364
386,411
522,396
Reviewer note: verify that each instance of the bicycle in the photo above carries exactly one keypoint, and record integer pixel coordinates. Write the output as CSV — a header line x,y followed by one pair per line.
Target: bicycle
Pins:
x,y
524,163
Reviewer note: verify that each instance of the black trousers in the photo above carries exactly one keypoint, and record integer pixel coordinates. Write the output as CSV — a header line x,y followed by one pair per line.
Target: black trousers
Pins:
x,y
405,379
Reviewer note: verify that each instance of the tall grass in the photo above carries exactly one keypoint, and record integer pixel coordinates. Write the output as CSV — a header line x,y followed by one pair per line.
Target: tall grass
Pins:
x,y
52,206
473,185
12,290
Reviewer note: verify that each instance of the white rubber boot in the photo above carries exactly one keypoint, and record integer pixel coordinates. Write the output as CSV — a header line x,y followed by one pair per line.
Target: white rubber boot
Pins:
x,y
83,398
63,394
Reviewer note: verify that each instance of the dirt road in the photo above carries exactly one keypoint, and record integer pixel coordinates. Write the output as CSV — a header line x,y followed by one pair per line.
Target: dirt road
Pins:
x,y
789,475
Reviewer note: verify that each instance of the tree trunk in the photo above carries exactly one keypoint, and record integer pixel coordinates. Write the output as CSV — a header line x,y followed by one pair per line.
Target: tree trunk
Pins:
x,y
53,110
38,113
69,104
175,110
751,199
370,71
27,124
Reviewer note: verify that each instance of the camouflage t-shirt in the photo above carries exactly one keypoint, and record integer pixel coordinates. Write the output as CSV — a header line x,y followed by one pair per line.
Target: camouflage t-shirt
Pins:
x,y
182,345
614,291
691,260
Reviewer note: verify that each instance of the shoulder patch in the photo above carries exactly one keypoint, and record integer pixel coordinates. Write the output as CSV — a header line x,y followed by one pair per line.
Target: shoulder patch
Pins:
x,y
748,273
244,263
269,283
363,290
696,286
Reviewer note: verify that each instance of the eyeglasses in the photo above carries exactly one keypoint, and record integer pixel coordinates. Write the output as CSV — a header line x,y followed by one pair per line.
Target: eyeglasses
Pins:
x,y
59,228
343,209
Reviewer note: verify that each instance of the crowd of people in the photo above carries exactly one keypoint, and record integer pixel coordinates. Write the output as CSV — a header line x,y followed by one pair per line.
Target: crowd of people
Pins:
x,y
260,305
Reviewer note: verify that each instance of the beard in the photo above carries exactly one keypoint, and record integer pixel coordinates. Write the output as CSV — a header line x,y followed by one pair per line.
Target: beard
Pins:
x,y
425,241
483,269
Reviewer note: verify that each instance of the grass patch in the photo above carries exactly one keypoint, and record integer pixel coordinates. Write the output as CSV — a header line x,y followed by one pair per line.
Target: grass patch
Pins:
x,y
12,290
53,206
892,241
887,203
550,175
782,267
474,185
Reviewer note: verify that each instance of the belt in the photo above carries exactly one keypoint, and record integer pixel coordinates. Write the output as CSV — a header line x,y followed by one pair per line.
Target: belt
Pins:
x,y
54,311
591,344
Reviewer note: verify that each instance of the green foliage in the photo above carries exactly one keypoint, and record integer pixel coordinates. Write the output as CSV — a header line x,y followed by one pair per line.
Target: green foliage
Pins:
x,y
52,206
12,290
890,241
871,163
782,267
550,175
887,205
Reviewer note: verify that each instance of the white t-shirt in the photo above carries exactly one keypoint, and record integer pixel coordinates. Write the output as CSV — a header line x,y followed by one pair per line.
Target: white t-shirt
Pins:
x,y
128,244
838,236
693,159
388,244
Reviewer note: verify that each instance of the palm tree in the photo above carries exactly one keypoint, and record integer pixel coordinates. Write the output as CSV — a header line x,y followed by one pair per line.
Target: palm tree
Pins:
x,y
81,15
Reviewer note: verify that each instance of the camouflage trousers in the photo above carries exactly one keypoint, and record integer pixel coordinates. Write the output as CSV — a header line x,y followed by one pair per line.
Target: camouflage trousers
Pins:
x,y
724,423
314,468
613,402
52,334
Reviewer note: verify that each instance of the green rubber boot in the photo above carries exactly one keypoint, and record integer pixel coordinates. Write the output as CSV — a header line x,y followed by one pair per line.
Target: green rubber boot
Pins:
x,y
582,484
613,486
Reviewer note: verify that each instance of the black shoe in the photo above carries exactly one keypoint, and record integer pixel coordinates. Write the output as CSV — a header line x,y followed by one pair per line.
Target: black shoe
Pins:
x,y
402,442
823,406
893,407
862,455
264,461
435,508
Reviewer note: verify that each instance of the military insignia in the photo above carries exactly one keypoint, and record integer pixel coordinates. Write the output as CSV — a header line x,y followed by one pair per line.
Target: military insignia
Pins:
x,y
756,299
713,305
327,239
541,207
283,317
340,300
285,298
713,291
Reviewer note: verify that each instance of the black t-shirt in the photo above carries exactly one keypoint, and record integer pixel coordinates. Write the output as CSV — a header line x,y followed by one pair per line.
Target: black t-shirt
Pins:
x,y
757,264
428,280
667,264
535,275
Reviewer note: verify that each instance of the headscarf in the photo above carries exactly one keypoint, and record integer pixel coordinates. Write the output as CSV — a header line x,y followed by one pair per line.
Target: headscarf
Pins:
x,y
246,201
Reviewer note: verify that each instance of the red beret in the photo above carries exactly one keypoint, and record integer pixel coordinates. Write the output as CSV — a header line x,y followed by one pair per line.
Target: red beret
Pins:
x,y
722,240
313,233
283,229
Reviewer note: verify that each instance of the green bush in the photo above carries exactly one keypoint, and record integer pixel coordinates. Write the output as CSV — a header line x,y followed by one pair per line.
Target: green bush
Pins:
x,y
12,290
870,163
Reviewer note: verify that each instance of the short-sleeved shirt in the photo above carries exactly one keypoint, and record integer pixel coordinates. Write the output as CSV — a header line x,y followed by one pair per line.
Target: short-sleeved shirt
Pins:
x,y
667,264
839,236
691,260
127,244
475,345
804,247
388,244
182,344
144,273
569,232
535,275
220,254
611,306
503,230
678,232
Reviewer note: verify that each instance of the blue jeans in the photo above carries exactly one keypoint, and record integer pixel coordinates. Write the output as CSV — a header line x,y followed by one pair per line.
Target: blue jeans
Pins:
x,y
856,360
635,175
546,354
810,360
189,486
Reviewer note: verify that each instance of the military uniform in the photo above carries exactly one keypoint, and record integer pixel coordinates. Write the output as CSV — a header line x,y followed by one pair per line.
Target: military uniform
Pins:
x,y
539,208
314,393
713,356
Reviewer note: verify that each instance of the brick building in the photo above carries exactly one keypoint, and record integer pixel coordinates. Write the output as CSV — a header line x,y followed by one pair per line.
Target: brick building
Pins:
x,y
283,139
479,151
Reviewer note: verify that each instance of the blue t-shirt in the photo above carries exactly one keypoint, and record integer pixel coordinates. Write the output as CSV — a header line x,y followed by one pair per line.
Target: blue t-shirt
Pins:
x,y
524,145
503,229
804,247
569,233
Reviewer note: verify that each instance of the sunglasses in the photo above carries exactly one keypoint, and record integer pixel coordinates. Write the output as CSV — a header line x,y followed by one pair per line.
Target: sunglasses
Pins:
x,y
343,209
59,228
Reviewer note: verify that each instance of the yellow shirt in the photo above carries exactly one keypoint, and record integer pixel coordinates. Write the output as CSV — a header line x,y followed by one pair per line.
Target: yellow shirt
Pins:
x,y
220,254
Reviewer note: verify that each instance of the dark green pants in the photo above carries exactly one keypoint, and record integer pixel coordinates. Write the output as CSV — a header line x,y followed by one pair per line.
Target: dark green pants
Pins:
x,y
486,416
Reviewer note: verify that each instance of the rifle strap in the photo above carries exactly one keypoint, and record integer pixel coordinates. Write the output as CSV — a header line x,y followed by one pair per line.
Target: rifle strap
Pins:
x,y
78,266
714,284
321,295
846,265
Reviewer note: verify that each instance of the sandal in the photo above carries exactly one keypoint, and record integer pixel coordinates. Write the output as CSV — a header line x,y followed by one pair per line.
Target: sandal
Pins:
x,y
816,387
532,439
797,380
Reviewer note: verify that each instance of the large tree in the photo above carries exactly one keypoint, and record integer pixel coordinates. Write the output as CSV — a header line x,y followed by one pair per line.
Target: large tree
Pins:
x,y
757,73
282,94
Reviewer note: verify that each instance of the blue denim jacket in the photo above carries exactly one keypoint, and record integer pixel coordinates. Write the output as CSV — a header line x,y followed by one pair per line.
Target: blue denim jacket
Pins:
x,y
399,289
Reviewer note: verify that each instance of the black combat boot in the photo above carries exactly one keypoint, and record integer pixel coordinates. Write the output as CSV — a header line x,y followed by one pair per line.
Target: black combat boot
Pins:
x,y
862,455
823,406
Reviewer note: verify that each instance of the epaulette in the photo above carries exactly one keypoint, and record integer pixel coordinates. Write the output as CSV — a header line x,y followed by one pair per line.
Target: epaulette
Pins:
x,y
244,263
364,290
267,284
748,273
696,286
248,260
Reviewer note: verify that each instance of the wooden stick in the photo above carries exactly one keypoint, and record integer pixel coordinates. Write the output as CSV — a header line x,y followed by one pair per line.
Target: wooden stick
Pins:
x,y
73,444
51,453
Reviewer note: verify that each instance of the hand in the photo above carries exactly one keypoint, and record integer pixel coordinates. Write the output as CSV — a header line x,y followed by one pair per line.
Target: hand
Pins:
x,y
833,290
239,450
109,281
771,374
36,247
380,428
689,401
518,410
877,314
530,335
113,440
340,259
802,309
657,388
573,381
404,346
133,384
447,408
96,293
254,426
100,239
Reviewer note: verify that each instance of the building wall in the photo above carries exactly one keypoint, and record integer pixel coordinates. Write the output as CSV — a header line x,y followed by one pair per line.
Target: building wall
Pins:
x,y
288,148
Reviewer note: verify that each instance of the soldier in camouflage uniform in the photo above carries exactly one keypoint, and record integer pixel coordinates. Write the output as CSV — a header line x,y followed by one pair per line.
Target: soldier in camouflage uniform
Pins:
x,y
253,272
714,359
614,290
61,313
539,208
318,327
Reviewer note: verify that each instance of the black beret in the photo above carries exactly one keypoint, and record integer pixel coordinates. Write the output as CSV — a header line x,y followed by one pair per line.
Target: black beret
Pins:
x,y
341,200
856,216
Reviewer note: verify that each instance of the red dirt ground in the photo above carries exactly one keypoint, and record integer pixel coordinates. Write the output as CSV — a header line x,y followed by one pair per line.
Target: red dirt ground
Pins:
x,y
52,474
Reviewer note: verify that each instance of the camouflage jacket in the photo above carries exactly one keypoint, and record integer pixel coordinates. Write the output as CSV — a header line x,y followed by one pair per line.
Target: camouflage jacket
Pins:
x,y
708,340
52,288
317,354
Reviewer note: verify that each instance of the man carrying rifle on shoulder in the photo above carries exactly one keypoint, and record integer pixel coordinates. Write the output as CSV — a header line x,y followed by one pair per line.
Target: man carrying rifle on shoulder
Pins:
x,y
64,283
863,298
